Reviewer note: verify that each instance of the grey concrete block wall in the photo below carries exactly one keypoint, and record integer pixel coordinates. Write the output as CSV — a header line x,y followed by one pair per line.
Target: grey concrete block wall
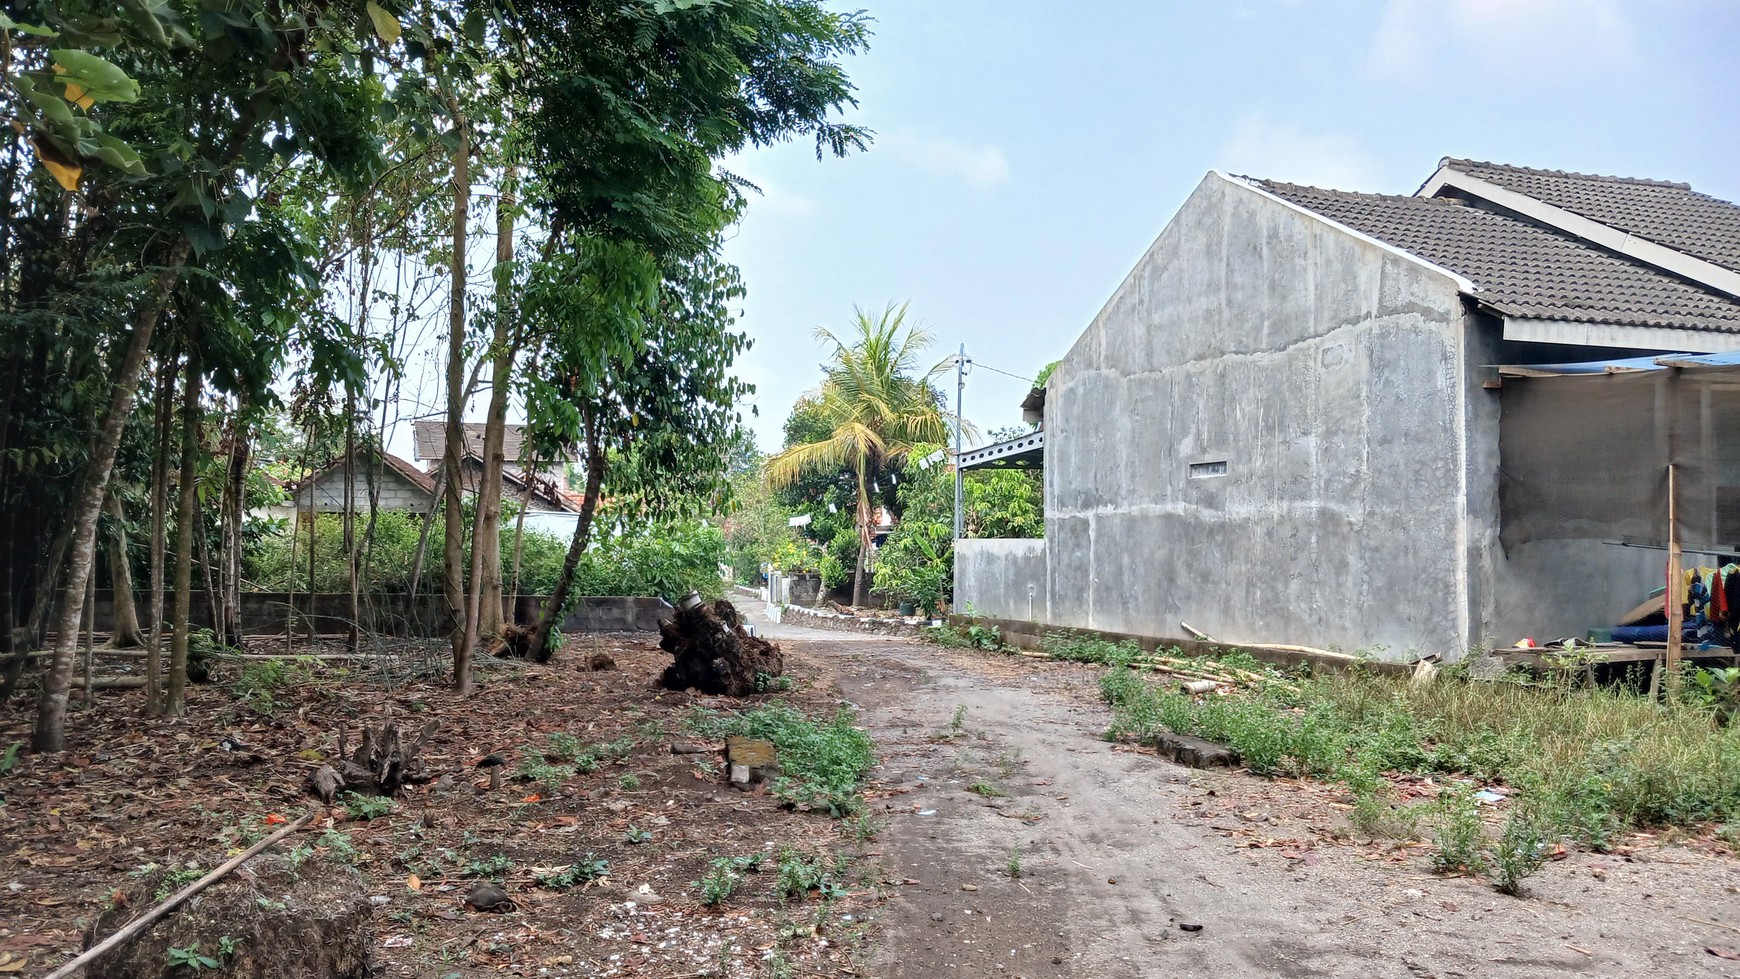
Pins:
x,y
395,493
1544,589
1326,372
1001,579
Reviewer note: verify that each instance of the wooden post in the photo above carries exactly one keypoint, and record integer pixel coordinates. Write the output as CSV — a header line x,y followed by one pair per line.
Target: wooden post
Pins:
x,y
1675,611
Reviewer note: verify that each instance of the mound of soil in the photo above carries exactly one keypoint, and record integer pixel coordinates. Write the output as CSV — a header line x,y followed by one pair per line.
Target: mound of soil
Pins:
x,y
267,920
714,654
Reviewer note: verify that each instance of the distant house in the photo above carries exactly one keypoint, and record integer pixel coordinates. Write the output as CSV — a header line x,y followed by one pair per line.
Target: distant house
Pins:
x,y
1306,414
393,483
542,493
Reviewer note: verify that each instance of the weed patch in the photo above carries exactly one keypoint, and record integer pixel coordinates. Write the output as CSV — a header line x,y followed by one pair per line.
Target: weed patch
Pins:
x,y
820,764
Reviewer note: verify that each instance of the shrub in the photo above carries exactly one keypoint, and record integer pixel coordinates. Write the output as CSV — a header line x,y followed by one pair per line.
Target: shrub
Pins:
x,y
668,559
1458,836
1520,851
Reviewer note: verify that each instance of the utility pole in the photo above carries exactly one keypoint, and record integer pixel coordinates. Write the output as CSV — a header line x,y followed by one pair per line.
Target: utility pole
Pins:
x,y
960,478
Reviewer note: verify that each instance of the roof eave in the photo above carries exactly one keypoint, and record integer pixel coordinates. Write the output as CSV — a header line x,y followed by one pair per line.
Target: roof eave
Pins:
x,y
1621,335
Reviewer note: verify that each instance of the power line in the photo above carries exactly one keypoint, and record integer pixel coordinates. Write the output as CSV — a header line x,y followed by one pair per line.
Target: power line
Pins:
x,y
994,370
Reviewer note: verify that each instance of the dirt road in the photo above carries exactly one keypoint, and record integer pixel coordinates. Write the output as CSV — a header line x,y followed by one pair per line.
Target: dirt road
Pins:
x,y
1131,866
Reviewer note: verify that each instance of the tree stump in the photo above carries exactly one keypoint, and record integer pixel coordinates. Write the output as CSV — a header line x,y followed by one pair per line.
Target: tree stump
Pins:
x,y
714,654
381,765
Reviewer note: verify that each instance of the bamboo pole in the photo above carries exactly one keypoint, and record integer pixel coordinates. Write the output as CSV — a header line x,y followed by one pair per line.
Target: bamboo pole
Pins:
x,y
180,897
1675,611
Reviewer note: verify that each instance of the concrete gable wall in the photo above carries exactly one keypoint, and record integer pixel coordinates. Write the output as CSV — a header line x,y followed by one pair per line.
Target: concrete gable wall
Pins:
x,y
1326,371
396,492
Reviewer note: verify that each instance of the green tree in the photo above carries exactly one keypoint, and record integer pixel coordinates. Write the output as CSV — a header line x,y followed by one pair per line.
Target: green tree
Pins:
x,y
874,407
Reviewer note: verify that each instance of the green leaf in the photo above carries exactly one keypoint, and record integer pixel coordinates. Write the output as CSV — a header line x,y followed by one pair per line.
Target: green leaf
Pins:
x,y
474,26
7,23
386,25
118,154
98,78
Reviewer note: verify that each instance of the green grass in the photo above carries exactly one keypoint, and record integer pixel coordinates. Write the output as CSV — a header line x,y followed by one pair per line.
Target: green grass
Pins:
x,y
972,637
1591,762
987,790
820,765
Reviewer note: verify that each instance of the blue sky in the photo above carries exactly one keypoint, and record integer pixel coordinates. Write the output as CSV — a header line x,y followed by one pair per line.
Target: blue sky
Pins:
x,y
1029,152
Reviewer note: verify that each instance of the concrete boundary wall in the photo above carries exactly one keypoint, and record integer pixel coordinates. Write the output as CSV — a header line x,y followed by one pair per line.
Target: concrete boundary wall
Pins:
x,y
265,613
1002,578
873,625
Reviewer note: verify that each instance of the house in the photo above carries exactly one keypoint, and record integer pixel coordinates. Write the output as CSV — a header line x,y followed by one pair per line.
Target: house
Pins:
x,y
392,482
1301,417
539,491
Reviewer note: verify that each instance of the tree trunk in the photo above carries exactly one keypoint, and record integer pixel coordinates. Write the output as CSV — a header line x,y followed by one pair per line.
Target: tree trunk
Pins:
x,y
165,416
350,555
530,470
860,598
313,526
486,538
186,525
213,604
462,627
595,462
126,633
50,733
241,449
423,534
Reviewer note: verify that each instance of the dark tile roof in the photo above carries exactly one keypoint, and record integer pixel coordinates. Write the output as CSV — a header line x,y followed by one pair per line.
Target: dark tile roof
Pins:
x,y
1521,269
405,468
416,477
430,438
1666,213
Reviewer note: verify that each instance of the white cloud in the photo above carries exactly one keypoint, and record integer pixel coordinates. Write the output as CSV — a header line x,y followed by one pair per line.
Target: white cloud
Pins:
x,y
1417,39
982,167
775,199
1286,152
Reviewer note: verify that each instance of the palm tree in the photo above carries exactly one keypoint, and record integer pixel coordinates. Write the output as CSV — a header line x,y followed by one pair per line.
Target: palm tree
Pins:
x,y
876,407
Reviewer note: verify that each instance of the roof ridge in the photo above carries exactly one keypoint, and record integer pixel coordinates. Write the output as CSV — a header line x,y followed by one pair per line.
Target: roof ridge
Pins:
x,y
1459,162
1360,194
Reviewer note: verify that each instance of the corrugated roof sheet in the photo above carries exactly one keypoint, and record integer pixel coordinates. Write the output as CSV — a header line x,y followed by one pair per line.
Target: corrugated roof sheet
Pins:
x,y
1671,214
1521,269
430,438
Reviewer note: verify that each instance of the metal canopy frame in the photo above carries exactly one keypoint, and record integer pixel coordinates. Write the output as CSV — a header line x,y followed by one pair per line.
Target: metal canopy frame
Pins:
x,y
1023,452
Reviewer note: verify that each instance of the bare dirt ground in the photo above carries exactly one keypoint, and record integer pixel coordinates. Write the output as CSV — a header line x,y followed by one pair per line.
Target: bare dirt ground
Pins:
x,y
1133,866
1128,865
185,793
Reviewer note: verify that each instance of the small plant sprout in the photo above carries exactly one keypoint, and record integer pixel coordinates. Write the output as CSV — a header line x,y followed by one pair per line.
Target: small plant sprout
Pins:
x,y
1014,865
629,782
588,868
719,884
191,958
636,835
987,790
359,806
